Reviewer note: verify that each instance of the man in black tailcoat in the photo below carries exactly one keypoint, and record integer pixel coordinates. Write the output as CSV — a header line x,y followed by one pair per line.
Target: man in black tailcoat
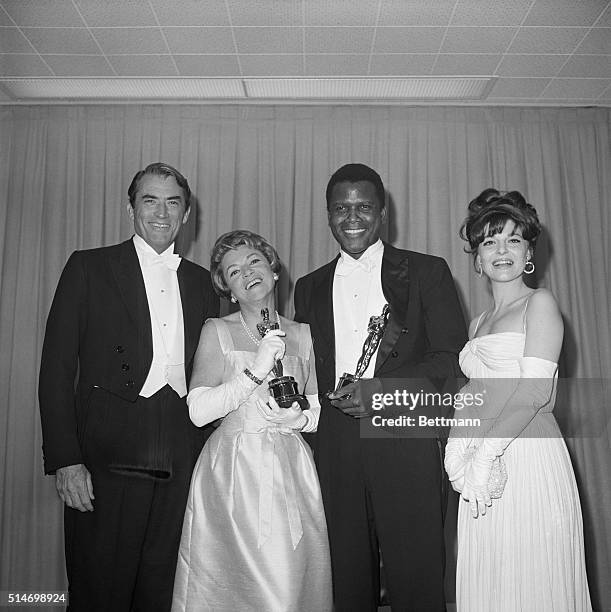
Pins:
x,y
380,493
116,362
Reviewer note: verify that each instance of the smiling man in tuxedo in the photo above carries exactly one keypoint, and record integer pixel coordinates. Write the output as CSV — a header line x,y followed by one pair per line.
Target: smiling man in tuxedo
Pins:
x,y
379,494
116,362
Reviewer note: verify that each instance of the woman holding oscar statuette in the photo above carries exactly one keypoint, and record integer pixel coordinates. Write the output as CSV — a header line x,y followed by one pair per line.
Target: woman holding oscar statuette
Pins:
x,y
254,534
520,532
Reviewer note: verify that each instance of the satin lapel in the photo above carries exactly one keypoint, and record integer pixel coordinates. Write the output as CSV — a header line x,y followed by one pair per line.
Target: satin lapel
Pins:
x,y
323,311
192,310
395,286
127,272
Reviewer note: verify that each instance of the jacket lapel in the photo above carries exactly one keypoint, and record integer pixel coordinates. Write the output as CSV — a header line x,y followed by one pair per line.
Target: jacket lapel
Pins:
x,y
323,311
127,272
395,286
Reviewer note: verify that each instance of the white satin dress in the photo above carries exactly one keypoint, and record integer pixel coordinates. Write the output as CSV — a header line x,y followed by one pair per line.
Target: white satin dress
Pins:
x,y
254,534
526,553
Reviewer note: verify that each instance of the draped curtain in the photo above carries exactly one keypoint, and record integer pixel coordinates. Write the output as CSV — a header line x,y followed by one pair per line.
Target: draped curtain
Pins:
x,y
64,173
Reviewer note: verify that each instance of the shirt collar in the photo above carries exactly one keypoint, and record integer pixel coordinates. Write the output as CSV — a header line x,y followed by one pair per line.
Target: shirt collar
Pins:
x,y
144,248
368,261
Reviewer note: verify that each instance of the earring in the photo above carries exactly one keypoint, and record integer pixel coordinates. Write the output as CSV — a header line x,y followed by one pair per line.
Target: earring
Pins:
x,y
233,300
479,270
529,267
276,277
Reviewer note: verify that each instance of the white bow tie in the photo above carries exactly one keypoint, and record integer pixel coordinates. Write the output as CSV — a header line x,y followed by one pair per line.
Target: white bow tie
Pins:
x,y
171,260
346,265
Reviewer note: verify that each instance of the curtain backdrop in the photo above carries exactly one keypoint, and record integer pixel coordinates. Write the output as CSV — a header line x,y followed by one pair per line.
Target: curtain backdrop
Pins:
x,y
64,173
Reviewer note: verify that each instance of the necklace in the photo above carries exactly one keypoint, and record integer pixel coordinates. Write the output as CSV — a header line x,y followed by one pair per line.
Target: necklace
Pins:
x,y
249,333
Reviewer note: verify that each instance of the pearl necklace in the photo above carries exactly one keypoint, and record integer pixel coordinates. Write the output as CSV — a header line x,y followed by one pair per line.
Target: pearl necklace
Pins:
x,y
249,333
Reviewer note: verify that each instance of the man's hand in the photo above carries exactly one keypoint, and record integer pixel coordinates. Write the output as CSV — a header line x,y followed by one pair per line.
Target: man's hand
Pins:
x,y
74,486
355,399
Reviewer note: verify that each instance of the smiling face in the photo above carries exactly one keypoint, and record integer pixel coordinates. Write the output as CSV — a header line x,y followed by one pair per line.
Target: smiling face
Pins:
x,y
248,274
159,211
355,216
502,257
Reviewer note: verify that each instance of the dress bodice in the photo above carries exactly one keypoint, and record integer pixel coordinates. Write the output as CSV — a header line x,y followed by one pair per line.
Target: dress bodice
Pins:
x,y
493,355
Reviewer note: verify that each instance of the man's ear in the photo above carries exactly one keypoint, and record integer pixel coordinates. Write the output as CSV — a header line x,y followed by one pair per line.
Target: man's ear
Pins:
x,y
130,210
384,214
185,217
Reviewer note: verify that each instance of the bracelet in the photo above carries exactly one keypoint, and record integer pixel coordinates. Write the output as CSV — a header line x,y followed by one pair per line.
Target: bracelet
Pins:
x,y
252,377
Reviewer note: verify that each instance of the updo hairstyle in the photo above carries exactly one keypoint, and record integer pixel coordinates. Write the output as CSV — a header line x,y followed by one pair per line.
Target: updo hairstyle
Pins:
x,y
230,241
489,212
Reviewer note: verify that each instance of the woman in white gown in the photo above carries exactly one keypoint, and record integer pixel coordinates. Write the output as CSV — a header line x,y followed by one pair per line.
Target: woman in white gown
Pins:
x,y
520,546
254,534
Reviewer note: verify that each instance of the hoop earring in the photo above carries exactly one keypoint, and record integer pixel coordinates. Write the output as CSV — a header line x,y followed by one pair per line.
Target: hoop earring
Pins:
x,y
531,269
233,300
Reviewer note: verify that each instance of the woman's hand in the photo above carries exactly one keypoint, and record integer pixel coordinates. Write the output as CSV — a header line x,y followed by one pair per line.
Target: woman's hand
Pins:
x,y
292,417
270,350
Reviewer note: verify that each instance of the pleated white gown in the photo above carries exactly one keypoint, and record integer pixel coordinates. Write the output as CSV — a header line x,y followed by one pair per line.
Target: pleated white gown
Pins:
x,y
526,553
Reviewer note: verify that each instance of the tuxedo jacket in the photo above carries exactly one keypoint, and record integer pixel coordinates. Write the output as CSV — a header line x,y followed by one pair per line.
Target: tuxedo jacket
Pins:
x,y
98,334
425,331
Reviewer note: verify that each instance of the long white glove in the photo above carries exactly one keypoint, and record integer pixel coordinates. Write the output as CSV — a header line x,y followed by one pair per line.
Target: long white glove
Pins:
x,y
207,404
534,391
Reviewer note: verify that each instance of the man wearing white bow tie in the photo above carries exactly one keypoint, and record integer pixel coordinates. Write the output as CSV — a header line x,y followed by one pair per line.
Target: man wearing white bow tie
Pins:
x,y
386,493
117,357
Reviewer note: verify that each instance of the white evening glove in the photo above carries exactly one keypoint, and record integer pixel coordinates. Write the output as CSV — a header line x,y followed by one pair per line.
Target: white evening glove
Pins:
x,y
455,461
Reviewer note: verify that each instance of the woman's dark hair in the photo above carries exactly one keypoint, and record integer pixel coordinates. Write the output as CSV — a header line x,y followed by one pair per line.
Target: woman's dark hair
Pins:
x,y
489,212
230,241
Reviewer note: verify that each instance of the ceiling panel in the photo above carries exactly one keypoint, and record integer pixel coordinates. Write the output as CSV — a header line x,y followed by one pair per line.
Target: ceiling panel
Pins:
x,y
477,40
598,40
269,40
338,40
143,65
408,40
43,13
110,13
402,64
79,65
518,88
13,64
13,41
466,64
416,12
575,88
199,40
531,65
191,12
547,40
339,13
130,40
525,45
336,65
272,65
565,12
478,13
265,12
597,66
207,65
62,40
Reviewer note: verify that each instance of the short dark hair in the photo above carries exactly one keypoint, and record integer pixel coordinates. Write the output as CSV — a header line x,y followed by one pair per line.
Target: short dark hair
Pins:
x,y
353,173
230,241
159,169
489,212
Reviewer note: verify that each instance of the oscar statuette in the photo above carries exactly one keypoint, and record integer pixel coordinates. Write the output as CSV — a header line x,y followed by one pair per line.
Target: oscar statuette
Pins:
x,y
282,388
375,331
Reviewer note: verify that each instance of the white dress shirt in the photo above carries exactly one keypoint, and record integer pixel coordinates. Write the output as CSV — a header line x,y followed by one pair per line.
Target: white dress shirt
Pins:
x,y
165,310
357,296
